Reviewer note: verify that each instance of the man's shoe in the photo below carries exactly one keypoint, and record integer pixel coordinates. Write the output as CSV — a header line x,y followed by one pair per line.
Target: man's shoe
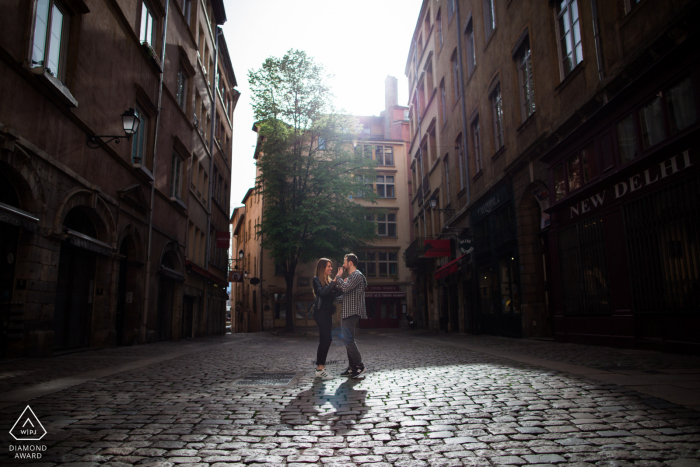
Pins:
x,y
323,374
348,372
358,372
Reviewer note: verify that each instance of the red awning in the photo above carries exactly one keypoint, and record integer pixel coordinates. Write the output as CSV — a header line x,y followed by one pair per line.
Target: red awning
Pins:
x,y
448,268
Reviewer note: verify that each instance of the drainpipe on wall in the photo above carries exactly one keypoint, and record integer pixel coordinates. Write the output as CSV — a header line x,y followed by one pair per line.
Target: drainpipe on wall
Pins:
x,y
464,104
596,37
211,164
146,299
420,140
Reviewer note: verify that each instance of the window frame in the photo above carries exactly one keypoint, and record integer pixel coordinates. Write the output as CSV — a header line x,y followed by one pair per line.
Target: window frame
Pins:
x,y
176,178
383,219
489,9
561,35
455,77
438,20
496,98
181,87
143,23
443,101
523,62
470,45
61,73
385,186
564,164
476,137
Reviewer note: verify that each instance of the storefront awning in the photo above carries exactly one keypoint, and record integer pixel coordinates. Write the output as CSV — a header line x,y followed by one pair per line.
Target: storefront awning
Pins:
x,y
448,268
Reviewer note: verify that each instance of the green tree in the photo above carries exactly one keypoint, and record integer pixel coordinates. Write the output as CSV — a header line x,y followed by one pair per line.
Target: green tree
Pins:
x,y
309,171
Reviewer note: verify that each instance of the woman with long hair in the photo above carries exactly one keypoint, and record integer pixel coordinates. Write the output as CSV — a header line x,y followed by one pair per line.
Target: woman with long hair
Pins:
x,y
325,290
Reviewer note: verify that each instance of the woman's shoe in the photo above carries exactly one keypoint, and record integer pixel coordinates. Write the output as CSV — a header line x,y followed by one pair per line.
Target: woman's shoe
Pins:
x,y
348,371
323,374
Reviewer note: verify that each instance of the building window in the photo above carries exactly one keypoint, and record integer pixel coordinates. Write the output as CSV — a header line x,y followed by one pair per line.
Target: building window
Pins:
x,y
181,91
527,90
386,225
369,188
176,178
443,101
447,178
630,4
280,305
455,75
367,263
489,18
497,110
476,136
148,26
461,160
438,20
569,34
450,9
385,186
139,142
387,264
471,50
187,10
50,37
384,155
627,139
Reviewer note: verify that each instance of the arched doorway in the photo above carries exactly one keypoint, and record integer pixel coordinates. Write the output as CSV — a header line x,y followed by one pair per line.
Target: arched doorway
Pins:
x,y
76,285
128,314
9,238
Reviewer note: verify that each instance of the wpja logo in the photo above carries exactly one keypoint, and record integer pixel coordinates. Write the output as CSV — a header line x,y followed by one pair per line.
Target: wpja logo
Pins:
x,y
28,428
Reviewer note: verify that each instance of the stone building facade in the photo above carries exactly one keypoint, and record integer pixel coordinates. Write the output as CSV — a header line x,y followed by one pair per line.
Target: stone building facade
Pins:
x,y
262,306
95,240
496,88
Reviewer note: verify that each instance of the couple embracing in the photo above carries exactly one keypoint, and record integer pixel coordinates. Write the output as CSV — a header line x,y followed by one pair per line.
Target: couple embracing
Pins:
x,y
326,291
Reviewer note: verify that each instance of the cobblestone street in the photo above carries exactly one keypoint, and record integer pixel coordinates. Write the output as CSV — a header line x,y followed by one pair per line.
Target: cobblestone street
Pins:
x,y
427,400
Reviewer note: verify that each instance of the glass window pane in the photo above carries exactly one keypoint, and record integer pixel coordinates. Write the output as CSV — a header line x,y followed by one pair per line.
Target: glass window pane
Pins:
x,y
574,11
382,310
392,269
574,168
371,256
144,22
391,217
41,27
390,191
588,160
626,139
652,123
380,178
381,229
379,155
681,105
381,217
390,179
55,41
371,269
382,256
392,256
559,186
392,230
383,270
380,191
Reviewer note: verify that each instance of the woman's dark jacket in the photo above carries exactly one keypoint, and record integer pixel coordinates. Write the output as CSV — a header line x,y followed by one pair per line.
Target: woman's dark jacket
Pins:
x,y
325,295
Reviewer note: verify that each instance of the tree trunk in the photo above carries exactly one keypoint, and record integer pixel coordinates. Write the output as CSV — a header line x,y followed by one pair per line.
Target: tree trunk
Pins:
x,y
291,312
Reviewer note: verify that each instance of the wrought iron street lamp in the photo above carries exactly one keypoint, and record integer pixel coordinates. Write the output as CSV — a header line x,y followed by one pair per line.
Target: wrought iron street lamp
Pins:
x,y
130,124
433,204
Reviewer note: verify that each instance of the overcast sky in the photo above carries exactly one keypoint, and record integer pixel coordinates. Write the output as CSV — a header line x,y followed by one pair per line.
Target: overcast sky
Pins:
x,y
358,41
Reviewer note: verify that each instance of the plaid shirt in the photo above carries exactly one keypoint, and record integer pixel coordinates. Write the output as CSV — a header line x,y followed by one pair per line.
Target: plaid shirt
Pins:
x,y
354,295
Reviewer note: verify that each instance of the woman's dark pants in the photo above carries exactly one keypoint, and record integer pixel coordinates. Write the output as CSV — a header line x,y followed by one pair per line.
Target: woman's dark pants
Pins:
x,y
325,327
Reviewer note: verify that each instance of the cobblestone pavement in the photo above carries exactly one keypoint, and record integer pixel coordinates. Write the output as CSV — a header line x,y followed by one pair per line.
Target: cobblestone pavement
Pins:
x,y
427,400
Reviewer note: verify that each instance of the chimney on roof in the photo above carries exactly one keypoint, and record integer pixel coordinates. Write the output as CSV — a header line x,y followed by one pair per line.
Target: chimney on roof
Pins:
x,y
391,92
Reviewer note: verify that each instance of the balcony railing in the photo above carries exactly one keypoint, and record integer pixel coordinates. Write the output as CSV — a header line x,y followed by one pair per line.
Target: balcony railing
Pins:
x,y
415,253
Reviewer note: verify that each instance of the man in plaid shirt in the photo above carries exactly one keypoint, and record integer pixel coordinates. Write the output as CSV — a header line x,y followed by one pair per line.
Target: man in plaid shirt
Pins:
x,y
353,309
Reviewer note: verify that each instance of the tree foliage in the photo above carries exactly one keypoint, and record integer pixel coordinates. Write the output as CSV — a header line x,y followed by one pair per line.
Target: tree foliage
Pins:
x,y
309,172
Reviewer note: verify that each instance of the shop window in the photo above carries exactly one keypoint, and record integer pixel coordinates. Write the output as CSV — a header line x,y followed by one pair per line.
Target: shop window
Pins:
x,y
578,170
508,286
583,269
627,139
280,305
487,286
661,232
652,123
681,105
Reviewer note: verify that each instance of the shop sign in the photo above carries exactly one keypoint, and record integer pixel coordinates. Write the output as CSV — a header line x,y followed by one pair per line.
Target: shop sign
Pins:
x,y
436,248
465,243
637,181
382,288
235,276
491,204
223,239
385,294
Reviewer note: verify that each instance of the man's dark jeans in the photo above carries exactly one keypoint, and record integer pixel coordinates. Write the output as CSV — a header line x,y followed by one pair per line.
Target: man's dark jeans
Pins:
x,y
348,326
